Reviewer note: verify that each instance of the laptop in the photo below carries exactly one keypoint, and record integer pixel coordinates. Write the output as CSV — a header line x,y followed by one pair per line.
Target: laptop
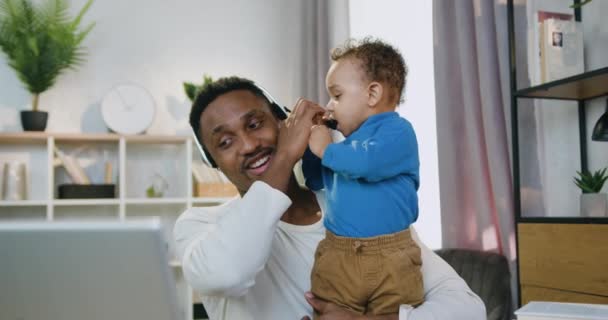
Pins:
x,y
85,271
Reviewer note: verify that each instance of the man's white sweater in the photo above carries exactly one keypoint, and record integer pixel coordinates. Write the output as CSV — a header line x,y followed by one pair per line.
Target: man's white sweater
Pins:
x,y
247,264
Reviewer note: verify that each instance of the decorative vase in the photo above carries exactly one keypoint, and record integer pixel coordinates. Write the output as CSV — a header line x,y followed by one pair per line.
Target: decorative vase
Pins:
x,y
594,205
15,188
34,120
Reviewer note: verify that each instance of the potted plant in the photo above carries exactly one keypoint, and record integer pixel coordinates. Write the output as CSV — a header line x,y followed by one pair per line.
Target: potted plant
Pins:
x,y
40,41
580,4
593,203
192,89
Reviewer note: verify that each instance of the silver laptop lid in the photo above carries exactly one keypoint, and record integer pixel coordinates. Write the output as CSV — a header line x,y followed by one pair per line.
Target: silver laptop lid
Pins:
x,y
85,270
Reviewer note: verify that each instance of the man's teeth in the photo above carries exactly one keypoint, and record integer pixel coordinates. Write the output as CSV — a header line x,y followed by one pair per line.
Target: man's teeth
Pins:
x,y
259,163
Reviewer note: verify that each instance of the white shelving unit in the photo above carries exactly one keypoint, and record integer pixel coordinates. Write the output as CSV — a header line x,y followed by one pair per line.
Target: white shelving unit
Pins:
x,y
157,201
84,202
136,158
23,203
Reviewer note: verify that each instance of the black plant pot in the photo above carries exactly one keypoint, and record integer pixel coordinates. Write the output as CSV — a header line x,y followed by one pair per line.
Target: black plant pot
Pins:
x,y
34,120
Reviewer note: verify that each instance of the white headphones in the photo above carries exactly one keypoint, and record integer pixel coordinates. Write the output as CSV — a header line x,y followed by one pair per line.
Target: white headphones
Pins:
x,y
280,112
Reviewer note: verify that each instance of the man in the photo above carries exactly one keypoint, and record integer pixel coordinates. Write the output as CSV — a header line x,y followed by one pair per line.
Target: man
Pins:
x,y
251,257
557,39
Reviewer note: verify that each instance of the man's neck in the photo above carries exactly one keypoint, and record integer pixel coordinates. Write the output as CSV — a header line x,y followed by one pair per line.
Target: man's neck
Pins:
x,y
304,209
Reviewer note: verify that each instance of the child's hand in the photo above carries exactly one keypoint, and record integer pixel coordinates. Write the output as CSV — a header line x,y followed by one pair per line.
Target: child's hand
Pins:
x,y
319,139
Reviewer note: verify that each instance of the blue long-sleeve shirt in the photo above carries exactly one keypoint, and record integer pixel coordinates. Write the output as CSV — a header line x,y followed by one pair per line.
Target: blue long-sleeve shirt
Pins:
x,y
371,178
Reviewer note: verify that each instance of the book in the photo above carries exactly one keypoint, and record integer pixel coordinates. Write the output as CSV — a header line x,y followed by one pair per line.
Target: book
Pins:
x,y
535,32
203,174
108,173
561,52
72,167
541,310
209,182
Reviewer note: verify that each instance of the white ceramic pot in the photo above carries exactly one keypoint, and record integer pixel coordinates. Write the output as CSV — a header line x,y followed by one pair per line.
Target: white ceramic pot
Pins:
x,y
2,166
14,186
594,205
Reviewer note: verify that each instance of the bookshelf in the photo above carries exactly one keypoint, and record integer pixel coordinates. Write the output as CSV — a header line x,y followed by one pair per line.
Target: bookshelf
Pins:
x,y
585,86
134,158
23,203
546,270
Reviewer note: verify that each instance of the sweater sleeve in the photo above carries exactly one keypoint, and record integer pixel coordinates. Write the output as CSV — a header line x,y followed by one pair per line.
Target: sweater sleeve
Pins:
x,y
446,294
312,170
223,248
388,152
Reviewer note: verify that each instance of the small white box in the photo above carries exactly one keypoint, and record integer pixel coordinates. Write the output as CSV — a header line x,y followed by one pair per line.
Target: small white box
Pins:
x,y
541,310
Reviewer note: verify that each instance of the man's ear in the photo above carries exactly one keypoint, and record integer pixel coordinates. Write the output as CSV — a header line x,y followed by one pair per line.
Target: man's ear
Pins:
x,y
374,93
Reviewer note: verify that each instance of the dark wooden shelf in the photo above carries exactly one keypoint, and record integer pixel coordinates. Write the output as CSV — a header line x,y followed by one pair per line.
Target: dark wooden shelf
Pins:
x,y
584,86
566,220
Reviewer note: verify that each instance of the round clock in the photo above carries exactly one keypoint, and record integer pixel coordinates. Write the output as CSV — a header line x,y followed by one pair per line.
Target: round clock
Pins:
x,y
128,109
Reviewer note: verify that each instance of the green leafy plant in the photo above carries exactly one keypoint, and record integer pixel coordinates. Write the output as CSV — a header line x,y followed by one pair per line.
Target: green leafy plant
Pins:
x,y
580,4
41,41
591,183
192,89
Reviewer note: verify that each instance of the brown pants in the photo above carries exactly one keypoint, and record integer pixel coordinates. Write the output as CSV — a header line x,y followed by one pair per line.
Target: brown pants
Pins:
x,y
369,275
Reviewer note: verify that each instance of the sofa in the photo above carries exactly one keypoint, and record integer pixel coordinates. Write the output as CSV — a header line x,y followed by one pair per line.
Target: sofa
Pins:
x,y
488,275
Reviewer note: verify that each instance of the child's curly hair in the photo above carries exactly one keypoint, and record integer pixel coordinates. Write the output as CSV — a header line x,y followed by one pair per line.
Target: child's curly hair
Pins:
x,y
380,61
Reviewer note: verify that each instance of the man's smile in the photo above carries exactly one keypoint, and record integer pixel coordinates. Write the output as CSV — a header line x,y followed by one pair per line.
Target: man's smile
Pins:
x,y
257,164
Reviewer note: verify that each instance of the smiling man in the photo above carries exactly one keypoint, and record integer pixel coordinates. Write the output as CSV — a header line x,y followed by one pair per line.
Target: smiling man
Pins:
x,y
251,257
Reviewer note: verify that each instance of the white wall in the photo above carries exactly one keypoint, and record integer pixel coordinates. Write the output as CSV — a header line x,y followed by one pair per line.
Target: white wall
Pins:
x,y
159,44
595,30
557,121
409,26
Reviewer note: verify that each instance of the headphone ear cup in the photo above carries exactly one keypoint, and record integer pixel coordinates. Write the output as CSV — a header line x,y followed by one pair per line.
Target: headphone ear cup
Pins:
x,y
207,159
279,112
205,156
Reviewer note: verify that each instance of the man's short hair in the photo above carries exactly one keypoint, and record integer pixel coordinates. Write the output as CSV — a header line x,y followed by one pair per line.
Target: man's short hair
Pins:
x,y
379,60
211,91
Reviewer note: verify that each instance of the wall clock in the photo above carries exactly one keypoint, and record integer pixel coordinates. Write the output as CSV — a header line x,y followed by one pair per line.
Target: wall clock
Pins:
x,y
128,109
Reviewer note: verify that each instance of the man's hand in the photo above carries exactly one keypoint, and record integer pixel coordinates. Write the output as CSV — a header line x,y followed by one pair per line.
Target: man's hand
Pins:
x,y
295,130
319,139
292,141
330,311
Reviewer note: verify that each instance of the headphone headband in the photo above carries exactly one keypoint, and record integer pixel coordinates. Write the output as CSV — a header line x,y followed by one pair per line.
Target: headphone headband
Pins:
x,y
280,112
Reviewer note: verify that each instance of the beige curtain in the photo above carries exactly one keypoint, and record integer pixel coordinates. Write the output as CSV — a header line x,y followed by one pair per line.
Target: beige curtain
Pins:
x,y
321,26
472,94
